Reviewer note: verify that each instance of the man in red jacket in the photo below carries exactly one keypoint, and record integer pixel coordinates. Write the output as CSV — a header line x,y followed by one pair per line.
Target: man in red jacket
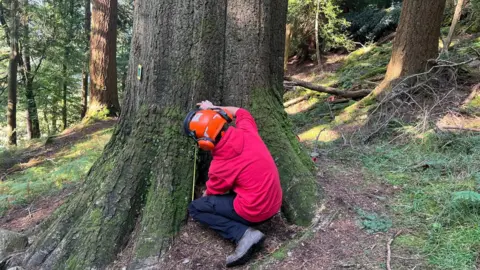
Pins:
x,y
244,185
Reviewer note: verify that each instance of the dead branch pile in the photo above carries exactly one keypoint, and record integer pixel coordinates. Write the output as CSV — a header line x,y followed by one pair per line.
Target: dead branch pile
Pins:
x,y
420,99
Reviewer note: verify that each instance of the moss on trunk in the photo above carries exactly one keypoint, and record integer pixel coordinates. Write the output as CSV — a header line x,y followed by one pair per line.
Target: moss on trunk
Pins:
x,y
300,188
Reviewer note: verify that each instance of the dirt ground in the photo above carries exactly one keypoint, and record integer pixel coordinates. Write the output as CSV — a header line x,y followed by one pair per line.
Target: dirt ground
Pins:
x,y
336,241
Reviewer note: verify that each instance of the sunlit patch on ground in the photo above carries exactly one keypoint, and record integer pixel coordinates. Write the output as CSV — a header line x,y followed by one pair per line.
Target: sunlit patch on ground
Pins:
x,y
322,131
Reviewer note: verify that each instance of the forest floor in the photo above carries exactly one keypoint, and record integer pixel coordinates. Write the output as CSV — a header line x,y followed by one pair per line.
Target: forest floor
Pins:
x,y
405,196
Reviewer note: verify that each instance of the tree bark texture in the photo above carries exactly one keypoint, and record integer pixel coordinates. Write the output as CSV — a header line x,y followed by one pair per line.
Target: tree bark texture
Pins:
x,y
230,52
103,63
12,76
456,18
87,29
416,40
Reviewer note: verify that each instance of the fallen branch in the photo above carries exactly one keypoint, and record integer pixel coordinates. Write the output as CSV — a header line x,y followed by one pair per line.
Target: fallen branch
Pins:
x,y
389,252
473,94
296,100
461,128
328,90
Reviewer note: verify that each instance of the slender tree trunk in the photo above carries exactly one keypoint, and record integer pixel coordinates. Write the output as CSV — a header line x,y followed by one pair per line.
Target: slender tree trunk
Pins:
x,y
64,92
45,118
416,40
33,125
12,76
103,63
87,29
456,18
317,39
143,177
65,71
288,37
54,111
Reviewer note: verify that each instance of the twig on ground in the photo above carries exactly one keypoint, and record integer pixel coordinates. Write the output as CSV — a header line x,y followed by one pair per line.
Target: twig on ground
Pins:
x,y
315,146
332,115
296,100
389,252
370,82
325,223
460,128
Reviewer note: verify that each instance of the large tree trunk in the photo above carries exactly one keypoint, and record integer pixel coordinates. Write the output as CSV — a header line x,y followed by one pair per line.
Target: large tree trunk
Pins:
x,y
103,63
253,78
87,28
12,77
456,18
188,50
416,40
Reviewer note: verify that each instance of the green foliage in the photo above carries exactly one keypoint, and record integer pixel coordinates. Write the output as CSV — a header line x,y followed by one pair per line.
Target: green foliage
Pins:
x,y
372,23
473,20
372,222
58,55
358,5
332,27
67,168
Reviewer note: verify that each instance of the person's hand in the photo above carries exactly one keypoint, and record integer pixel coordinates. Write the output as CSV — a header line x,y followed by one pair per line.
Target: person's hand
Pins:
x,y
204,193
204,105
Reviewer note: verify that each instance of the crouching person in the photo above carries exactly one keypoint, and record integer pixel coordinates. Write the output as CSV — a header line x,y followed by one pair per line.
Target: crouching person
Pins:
x,y
243,187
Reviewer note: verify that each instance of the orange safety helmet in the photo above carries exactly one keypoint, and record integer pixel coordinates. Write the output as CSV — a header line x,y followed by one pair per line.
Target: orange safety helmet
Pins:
x,y
205,125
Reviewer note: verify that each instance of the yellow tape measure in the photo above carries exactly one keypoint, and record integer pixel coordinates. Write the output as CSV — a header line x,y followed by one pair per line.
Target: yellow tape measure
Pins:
x,y
194,173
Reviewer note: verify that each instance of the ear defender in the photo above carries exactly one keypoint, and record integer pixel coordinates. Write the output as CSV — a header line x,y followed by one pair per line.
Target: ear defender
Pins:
x,y
205,125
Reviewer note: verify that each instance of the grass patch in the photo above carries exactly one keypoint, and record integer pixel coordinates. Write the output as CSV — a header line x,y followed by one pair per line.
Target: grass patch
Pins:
x,y
364,64
439,177
68,167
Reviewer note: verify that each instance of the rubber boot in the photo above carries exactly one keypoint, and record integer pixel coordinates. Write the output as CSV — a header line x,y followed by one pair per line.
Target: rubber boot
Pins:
x,y
251,241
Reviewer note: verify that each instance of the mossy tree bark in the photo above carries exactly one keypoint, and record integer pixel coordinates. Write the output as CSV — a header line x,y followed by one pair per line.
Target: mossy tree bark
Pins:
x,y
229,52
416,40
103,63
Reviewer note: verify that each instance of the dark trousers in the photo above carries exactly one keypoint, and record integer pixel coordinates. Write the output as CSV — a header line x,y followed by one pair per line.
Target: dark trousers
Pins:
x,y
217,212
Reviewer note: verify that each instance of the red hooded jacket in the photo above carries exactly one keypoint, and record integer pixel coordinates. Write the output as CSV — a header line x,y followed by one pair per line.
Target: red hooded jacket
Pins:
x,y
242,163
